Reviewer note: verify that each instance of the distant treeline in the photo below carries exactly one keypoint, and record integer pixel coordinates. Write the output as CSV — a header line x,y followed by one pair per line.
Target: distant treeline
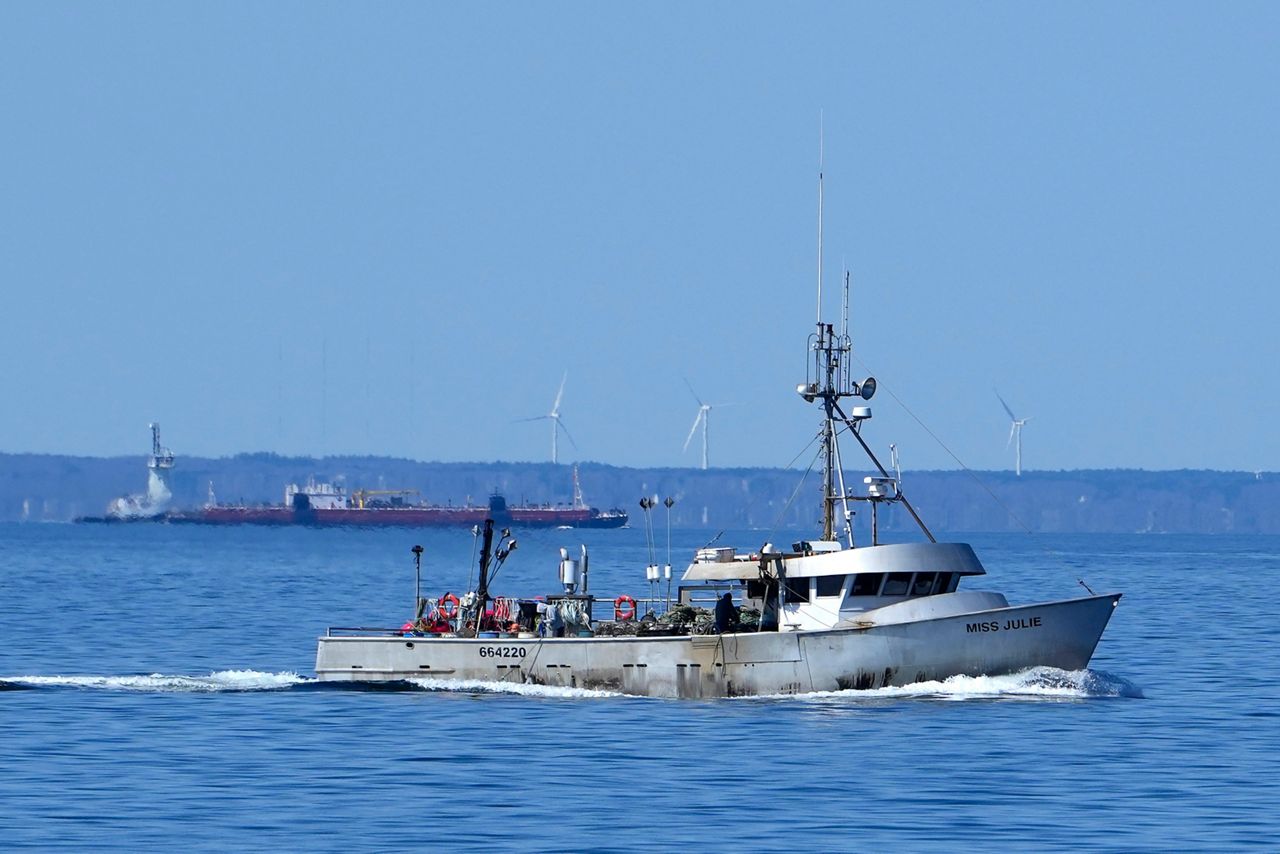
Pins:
x,y
42,487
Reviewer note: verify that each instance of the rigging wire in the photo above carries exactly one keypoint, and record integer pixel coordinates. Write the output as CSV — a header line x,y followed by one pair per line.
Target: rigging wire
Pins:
x,y
755,498
844,492
778,520
972,475
950,453
815,438
471,566
500,564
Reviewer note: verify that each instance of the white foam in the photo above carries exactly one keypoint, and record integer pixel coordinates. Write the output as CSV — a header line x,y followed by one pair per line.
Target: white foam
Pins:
x,y
477,686
1038,682
222,680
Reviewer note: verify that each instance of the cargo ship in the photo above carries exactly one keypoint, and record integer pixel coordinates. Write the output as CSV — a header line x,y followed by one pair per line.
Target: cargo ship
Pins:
x,y
330,505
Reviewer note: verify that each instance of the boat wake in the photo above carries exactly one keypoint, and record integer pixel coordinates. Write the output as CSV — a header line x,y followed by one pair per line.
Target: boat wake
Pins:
x,y
527,690
231,681
220,681
1038,683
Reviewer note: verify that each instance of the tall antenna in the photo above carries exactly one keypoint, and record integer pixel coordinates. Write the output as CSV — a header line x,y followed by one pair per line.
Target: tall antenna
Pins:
x,y
844,313
820,146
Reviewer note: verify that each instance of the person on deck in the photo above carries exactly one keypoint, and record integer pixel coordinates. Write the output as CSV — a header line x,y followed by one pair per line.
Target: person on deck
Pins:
x,y
726,614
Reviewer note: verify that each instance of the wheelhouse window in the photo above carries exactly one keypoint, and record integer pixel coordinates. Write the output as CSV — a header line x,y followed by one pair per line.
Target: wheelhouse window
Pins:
x,y
943,584
830,585
923,585
897,584
867,584
797,590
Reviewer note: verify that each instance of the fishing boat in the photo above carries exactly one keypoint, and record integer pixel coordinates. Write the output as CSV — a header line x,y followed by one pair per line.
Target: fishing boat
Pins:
x,y
821,614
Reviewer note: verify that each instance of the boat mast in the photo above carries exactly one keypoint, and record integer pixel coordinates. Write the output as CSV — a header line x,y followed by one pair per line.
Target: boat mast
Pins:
x,y
820,141
827,427
827,363
482,585
829,377
839,463
829,381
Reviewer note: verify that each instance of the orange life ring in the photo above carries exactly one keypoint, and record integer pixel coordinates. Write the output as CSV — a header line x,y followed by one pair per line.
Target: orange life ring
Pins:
x,y
624,608
448,612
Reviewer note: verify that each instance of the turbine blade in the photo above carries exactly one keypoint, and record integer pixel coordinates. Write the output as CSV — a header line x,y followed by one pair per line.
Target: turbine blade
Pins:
x,y
1012,417
1013,428
568,435
555,407
692,392
694,429
532,418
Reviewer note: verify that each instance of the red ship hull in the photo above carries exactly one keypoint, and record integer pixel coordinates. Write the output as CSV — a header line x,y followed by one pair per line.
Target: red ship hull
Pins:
x,y
404,517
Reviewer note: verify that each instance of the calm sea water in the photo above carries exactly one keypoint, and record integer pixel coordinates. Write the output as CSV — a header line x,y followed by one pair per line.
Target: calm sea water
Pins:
x,y
159,694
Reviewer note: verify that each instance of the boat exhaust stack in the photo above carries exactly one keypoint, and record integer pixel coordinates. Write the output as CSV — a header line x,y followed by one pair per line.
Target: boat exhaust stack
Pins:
x,y
569,572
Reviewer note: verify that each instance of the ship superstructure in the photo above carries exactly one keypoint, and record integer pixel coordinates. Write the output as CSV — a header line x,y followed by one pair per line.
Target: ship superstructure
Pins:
x,y
155,501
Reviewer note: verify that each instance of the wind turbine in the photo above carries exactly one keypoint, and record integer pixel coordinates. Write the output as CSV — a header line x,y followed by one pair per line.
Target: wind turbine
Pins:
x,y
556,424
703,417
1015,432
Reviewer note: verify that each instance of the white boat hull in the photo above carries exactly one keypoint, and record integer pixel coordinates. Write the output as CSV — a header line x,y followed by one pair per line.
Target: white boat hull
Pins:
x,y
988,642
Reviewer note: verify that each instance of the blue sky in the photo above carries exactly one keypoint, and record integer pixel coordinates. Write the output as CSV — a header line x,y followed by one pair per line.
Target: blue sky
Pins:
x,y
391,228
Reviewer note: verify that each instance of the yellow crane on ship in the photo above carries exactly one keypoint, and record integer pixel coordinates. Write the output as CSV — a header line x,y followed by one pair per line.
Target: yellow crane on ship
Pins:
x,y
362,496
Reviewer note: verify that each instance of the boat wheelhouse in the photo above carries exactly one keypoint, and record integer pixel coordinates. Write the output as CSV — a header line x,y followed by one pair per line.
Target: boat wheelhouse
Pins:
x,y
824,586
